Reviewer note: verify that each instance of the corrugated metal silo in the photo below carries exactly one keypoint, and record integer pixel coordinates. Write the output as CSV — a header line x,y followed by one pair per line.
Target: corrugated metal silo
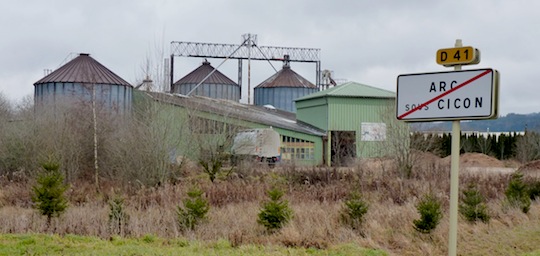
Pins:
x,y
281,89
78,81
216,85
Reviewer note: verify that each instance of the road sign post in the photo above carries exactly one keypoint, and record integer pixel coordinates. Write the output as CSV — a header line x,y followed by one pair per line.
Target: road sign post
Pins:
x,y
453,95
454,181
450,96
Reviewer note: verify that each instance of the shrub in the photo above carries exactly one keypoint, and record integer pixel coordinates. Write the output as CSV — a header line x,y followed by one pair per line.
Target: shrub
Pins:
x,y
534,190
276,212
211,167
49,191
473,207
213,161
118,218
194,210
430,214
149,238
353,211
517,194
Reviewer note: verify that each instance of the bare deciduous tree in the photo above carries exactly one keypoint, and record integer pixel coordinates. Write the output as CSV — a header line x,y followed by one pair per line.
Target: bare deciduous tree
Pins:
x,y
154,69
400,144
528,147
66,130
212,140
466,144
484,145
16,141
145,147
397,144
6,109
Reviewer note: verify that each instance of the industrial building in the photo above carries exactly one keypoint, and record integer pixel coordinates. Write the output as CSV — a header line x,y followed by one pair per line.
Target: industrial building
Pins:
x,y
353,117
331,126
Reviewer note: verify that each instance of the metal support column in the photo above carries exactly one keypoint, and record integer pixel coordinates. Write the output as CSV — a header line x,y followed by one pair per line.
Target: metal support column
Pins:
x,y
172,73
318,75
329,149
240,75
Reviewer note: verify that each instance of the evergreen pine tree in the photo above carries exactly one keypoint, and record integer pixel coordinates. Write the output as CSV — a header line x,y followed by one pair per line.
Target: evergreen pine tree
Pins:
x,y
194,210
118,217
430,214
472,206
276,212
517,193
353,210
49,191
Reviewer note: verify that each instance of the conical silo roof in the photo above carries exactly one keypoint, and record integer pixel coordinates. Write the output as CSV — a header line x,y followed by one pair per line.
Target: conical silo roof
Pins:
x,y
83,69
286,77
197,75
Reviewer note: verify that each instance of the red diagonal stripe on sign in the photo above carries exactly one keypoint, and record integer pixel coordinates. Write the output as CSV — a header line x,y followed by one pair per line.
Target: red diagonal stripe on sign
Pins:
x,y
445,93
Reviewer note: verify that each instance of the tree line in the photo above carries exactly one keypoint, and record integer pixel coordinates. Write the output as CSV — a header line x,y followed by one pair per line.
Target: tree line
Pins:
x,y
510,122
523,147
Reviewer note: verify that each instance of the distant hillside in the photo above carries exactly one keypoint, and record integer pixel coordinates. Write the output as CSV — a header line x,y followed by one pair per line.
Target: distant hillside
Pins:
x,y
509,123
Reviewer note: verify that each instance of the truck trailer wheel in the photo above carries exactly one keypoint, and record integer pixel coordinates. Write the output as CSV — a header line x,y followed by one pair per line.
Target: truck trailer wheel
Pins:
x,y
272,162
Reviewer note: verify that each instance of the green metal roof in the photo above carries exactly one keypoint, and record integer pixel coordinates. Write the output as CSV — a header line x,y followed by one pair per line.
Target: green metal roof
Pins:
x,y
351,89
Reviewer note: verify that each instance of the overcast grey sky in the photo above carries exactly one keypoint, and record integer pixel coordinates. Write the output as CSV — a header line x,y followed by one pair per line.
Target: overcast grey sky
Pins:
x,y
370,42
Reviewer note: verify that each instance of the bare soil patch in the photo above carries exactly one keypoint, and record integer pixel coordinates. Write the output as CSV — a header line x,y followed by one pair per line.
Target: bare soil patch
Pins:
x,y
476,160
531,169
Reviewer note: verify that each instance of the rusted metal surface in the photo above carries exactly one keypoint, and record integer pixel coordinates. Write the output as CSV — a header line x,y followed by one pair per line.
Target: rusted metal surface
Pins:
x,y
201,72
286,77
85,70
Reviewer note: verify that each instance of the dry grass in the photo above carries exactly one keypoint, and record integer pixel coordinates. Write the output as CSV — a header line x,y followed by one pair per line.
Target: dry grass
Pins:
x,y
316,197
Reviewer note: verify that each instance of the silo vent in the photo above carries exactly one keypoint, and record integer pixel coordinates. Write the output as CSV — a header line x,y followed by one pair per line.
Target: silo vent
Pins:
x,y
286,61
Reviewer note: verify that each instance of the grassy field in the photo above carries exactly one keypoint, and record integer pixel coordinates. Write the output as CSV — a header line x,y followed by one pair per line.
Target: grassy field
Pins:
x,y
316,197
40,244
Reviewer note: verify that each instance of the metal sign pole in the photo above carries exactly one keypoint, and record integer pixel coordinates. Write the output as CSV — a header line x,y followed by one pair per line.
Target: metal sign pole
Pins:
x,y
454,179
422,105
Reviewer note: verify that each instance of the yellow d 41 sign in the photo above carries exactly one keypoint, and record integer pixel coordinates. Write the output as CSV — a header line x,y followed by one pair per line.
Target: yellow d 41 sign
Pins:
x,y
458,56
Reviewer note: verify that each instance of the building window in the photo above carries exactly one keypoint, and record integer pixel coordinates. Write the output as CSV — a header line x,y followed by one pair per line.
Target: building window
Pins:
x,y
200,125
296,149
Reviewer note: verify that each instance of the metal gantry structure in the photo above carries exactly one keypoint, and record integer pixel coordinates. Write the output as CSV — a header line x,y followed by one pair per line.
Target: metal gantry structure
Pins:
x,y
247,50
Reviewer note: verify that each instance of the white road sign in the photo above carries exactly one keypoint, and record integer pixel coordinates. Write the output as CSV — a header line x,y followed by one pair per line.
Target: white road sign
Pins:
x,y
454,95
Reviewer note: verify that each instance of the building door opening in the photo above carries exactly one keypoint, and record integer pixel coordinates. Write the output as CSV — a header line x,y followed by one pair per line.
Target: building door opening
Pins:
x,y
343,148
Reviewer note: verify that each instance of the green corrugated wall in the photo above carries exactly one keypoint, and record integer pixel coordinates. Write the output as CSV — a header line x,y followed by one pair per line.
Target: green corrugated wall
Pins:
x,y
315,111
346,114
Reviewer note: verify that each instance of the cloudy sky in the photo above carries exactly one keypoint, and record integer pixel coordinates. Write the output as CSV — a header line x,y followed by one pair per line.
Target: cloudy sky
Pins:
x,y
370,42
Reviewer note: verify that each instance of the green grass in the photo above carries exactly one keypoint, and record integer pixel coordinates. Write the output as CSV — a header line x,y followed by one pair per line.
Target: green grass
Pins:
x,y
523,239
41,244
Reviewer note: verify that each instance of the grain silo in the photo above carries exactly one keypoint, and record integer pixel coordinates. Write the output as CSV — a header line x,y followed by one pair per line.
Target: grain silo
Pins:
x,y
81,80
209,82
281,89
